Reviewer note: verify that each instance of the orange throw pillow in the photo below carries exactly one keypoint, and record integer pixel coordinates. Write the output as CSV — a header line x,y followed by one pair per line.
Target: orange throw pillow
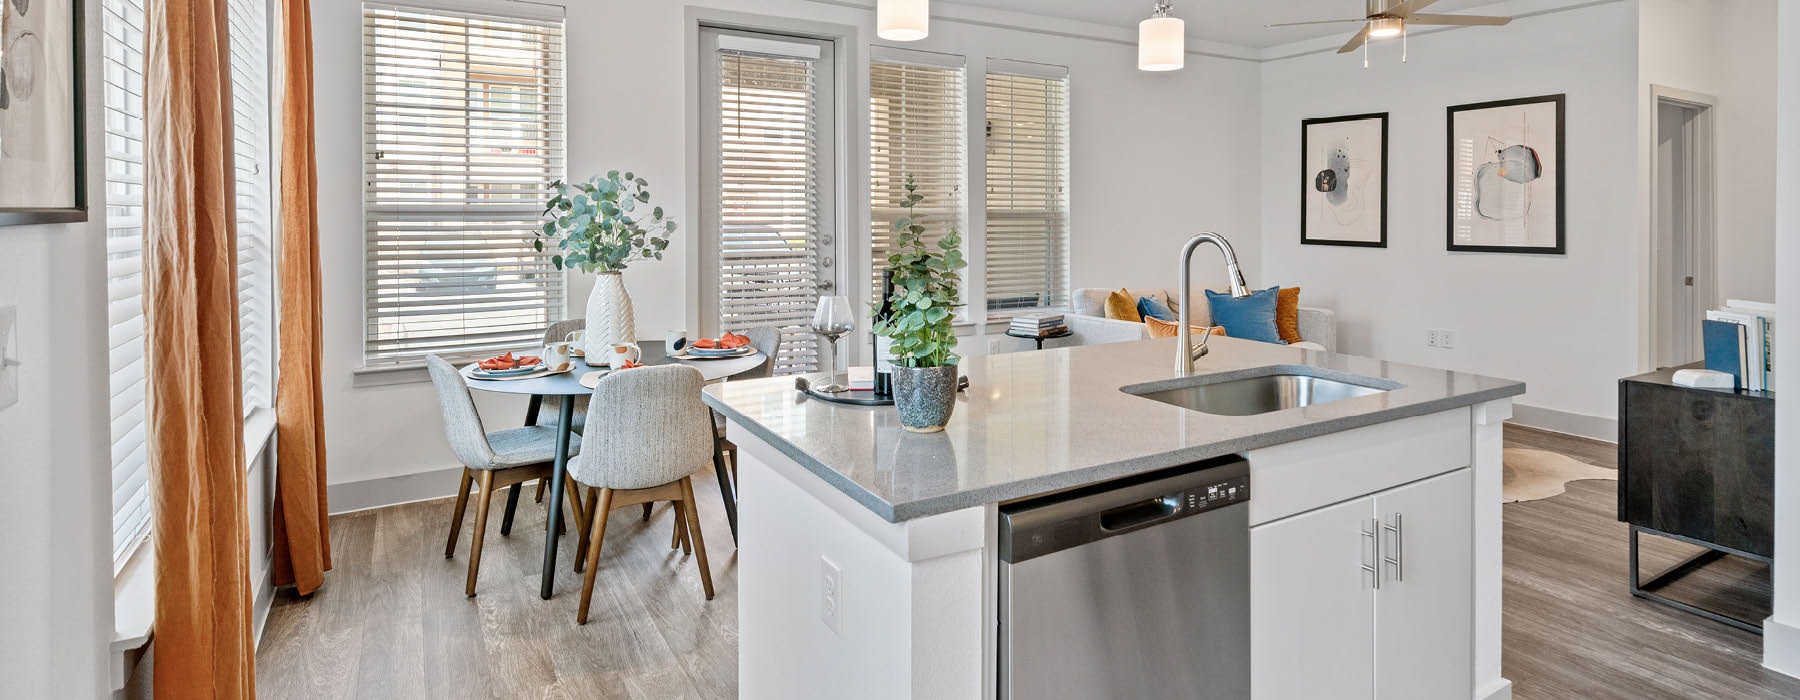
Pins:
x,y
1121,305
1159,328
1287,314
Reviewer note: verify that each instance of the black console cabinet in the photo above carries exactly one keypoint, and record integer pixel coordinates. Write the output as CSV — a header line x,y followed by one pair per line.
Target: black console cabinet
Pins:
x,y
1696,465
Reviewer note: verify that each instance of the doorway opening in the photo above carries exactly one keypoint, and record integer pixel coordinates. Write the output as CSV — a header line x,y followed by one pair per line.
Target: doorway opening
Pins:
x,y
1683,267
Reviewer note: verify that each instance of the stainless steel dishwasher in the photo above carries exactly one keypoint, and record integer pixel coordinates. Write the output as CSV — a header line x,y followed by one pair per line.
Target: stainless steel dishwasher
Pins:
x,y
1132,590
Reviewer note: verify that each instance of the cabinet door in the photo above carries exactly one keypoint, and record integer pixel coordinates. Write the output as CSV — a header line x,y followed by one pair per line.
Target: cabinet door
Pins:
x,y
1312,606
1424,614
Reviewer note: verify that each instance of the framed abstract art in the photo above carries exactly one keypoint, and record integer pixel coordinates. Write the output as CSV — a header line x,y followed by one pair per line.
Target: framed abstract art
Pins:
x,y
1343,195
42,156
1505,173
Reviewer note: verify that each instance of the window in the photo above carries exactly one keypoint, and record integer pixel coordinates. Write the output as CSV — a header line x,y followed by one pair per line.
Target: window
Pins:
x,y
123,65
917,128
1027,186
250,109
463,129
767,210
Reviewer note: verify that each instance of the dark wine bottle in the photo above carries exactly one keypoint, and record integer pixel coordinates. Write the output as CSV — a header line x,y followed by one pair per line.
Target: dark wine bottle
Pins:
x,y
884,367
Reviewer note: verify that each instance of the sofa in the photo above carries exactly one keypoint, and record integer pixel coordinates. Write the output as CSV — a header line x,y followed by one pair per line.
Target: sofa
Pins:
x,y
1089,325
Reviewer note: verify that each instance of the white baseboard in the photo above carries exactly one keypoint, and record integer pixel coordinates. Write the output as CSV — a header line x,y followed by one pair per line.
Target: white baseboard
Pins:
x,y
261,603
1578,424
352,496
1781,647
1499,690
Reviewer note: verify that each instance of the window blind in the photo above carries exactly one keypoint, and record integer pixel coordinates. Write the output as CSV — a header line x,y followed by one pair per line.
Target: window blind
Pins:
x,y
122,62
917,128
769,252
249,34
463,129
1027,191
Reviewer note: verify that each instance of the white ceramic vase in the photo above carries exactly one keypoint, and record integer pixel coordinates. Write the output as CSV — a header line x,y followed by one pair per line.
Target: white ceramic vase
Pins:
x,y
609,317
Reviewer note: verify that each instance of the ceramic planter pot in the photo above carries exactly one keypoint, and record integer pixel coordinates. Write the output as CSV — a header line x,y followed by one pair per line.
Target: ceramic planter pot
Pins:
x,y
925,396
609,316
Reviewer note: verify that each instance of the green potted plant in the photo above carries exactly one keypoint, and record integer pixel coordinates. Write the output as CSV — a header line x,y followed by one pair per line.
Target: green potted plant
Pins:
x,y
601,226
927,285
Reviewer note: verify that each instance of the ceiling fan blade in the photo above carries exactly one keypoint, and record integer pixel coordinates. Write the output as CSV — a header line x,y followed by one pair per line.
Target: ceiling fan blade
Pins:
x,y
1463,20
1356,41
1406,9
1322,21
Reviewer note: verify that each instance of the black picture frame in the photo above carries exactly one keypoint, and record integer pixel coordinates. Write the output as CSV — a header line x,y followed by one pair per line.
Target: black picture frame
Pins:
x,y
1558,186
78,211
1310,235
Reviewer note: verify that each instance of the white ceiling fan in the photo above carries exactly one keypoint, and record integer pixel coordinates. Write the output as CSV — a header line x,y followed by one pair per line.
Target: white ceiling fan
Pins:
x,y
1387,19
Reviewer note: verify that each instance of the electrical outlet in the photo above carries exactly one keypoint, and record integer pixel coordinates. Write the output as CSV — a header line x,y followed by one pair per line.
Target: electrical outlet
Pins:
x,y
1446,338
831,592
9,353
1431,337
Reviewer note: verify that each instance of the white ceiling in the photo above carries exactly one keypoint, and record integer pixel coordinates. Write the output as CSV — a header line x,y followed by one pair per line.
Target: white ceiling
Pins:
x,y
1237,22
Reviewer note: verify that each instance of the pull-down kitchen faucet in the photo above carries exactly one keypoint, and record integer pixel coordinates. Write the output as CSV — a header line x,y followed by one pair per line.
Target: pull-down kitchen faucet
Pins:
x,y
1186,352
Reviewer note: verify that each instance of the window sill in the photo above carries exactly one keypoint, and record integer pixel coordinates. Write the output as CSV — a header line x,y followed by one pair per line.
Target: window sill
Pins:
x,y
259,432
389,375
134,610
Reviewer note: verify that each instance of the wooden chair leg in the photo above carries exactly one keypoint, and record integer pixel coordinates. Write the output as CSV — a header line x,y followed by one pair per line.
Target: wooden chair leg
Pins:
x,y
693,530
581,547
681,528
675,538
596,537
539,498
456,515
647,506
572,489
481,515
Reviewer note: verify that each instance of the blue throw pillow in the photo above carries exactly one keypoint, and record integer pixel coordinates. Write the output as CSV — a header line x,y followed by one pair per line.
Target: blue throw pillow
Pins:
x,y
1150,307
1250,318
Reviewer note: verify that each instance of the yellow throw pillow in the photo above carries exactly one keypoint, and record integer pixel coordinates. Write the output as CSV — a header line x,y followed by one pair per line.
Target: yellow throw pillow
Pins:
x,y
1287,314
1121,305
1159,328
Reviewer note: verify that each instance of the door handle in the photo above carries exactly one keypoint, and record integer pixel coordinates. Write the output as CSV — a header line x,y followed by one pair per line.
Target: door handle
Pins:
x,y
1370,564
1398,530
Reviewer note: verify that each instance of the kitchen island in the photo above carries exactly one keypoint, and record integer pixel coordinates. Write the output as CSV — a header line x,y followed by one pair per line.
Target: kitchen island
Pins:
x,y
871,557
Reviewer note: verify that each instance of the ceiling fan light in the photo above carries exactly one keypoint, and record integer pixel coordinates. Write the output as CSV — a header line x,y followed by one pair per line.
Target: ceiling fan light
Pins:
x,y
903,20
1162,43
1385,27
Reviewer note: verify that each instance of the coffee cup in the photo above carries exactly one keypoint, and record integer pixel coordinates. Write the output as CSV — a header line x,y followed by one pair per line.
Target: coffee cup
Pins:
x,y
623,353
675,341
556,354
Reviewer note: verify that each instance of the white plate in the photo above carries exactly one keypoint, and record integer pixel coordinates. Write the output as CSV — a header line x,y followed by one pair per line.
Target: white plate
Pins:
x,y
541,371
498,373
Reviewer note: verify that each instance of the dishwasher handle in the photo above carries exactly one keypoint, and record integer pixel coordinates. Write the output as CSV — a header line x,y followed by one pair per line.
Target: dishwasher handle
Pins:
x,y
1135,515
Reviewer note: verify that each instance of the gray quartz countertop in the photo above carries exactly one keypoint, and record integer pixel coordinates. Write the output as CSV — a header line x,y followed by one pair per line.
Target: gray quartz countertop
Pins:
x,y
1039,422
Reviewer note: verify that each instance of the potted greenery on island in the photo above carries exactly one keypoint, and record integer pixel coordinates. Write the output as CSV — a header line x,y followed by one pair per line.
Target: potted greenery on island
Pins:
x,y
927,285
601,226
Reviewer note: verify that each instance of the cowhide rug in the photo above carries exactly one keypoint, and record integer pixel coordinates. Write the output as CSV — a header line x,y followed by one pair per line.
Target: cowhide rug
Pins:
x,y
1536,474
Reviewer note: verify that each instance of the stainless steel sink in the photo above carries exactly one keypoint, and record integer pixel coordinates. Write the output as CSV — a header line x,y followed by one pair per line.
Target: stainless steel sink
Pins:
x,y
1249,396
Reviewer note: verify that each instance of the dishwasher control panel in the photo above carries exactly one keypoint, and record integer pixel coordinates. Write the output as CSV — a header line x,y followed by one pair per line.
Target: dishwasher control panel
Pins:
x,y
1217,495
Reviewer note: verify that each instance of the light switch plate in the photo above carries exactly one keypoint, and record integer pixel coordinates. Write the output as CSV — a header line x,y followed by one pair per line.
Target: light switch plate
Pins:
x,y
9,353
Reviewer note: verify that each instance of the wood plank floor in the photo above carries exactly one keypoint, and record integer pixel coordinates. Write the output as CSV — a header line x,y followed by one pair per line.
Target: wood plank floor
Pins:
x,y
392,622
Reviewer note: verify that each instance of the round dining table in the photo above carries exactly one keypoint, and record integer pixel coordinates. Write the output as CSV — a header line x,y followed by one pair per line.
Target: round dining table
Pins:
x,y
568,385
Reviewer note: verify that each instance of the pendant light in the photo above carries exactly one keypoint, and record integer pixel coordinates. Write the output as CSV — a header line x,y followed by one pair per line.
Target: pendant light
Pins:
x,y
903,20
1161,40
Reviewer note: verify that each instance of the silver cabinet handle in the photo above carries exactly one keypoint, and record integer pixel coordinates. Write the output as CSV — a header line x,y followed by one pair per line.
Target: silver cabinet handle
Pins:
x,y
1398,530
1372,533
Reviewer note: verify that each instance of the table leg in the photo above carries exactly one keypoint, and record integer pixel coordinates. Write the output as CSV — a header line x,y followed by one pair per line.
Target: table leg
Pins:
x,y
512,496
558,469
726,488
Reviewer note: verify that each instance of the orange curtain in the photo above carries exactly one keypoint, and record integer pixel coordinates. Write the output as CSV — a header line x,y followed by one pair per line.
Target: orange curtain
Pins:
x,y
203,642
302,535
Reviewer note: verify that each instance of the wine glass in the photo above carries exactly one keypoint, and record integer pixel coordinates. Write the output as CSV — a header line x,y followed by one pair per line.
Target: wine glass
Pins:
x,y
833,319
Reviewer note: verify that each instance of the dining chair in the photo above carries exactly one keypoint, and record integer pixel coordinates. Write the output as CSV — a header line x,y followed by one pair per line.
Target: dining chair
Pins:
x,y
766,340
557,332
650,433
493,460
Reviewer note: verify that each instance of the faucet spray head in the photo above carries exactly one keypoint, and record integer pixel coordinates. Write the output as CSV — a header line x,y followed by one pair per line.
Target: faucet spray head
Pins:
x,y
1239,290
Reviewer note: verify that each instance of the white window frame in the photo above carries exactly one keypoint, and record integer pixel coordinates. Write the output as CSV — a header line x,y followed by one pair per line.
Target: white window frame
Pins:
x,y
521,215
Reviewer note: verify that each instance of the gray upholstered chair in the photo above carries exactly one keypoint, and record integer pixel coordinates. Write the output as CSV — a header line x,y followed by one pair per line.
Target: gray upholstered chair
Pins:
x,y
498,459
767,340
651,433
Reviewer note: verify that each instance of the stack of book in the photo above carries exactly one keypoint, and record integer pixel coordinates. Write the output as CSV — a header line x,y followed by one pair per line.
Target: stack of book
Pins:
x,y
1740,340
1040,325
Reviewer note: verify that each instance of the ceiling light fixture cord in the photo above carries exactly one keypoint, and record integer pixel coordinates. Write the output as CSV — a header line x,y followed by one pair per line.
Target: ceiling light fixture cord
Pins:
x,y
1402,42
1163,7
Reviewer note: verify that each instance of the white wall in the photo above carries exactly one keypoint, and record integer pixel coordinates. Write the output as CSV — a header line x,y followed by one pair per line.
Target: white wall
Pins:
x,y
1563,324
56,510
1154,159
1781,643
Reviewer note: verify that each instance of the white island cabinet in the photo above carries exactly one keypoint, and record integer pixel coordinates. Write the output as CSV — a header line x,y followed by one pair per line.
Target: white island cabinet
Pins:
x,y
869,561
